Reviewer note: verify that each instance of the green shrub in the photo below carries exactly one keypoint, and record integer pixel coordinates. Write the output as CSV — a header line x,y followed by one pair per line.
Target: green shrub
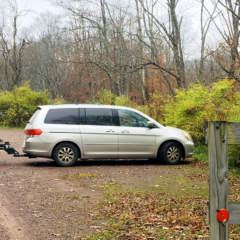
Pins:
x,y
18,106
123,100
201,152
105,97
192,108
233,156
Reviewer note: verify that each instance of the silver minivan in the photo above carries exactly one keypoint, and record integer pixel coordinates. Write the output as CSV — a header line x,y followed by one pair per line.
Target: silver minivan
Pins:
x,y
68,132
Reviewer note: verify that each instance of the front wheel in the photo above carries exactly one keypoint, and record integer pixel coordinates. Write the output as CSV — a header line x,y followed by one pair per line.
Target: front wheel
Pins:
x,y
170,153
65,154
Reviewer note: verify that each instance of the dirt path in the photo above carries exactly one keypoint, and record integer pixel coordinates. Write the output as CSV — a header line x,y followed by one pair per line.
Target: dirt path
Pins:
x,y
38,202
9,223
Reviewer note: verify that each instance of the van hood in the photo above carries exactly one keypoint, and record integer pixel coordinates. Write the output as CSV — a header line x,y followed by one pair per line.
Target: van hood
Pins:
x,y
176,130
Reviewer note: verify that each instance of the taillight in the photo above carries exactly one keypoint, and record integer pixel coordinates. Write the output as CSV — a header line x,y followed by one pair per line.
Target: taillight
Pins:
x,y
33,132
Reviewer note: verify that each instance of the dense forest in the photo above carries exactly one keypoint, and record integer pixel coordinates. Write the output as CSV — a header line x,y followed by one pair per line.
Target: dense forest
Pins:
x,y
136,48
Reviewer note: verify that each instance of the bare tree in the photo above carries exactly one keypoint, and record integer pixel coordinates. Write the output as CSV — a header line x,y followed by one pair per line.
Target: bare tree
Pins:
x,y
205,25
151,42
227,53
43,61
12,49
230,8
172,35
107,45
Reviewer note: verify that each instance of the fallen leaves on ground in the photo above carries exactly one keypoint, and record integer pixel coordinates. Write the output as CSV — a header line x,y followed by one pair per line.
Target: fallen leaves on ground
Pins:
x,y
141,216
153,215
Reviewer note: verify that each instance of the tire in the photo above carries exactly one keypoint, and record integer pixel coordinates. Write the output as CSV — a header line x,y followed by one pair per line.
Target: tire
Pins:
x,y
171,153
65,154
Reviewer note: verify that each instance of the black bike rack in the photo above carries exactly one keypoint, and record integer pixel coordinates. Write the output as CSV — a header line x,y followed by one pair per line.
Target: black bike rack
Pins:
x,y
5,146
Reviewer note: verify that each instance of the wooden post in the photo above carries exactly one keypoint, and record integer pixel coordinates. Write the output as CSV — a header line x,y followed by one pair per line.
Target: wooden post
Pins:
x,y
218,183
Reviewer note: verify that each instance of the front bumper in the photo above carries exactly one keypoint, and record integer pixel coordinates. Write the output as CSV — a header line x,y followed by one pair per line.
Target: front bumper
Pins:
x,y
189,149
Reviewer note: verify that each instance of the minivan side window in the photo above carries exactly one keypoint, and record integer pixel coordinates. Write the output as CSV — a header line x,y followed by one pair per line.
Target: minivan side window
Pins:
x,y
131,119
63,116
99,116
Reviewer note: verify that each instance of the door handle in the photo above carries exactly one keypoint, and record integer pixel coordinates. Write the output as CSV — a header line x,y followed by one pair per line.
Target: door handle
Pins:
x,y
125,132
109,131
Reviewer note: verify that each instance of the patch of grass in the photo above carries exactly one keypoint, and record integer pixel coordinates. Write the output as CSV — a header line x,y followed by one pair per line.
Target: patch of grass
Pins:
x,y
235,172
201,152
10,128
76,197
180,185
78,176
105,235
236,229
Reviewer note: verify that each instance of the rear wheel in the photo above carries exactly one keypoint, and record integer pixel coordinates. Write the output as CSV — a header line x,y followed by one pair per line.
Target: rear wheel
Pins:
x,y
170,153
65,154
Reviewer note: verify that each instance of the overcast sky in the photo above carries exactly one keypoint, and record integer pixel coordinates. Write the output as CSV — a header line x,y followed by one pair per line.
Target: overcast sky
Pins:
x,y
190,9
35,7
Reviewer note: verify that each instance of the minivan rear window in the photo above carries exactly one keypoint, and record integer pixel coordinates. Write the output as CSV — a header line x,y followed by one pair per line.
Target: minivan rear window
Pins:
x,y
63,116
34,115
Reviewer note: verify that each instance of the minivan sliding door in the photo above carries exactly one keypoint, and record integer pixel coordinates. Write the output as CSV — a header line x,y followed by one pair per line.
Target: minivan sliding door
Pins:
x,y
99,136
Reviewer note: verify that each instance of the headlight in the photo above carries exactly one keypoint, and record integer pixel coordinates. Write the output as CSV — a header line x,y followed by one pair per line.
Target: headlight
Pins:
x,y
187,136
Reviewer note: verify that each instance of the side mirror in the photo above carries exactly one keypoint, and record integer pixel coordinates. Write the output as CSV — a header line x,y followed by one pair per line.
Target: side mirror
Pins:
x,y
151,124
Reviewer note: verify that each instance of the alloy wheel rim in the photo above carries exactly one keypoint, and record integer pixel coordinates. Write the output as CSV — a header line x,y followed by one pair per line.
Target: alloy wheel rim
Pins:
x,y
66,155
173,154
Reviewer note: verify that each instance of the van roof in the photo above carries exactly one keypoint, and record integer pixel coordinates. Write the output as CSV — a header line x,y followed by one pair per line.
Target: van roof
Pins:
x,y
72,105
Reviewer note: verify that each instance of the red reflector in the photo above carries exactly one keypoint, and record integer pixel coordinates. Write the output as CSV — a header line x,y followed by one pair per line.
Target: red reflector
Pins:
x,y
223,215
33,132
